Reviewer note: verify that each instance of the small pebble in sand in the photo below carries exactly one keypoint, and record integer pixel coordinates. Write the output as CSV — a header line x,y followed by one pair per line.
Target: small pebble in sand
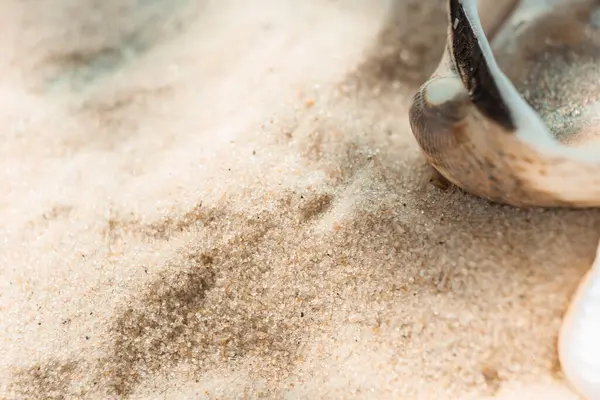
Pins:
x,y
355,318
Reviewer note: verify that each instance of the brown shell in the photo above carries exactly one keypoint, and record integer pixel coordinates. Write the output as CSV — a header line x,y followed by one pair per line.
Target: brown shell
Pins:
x,y
552,56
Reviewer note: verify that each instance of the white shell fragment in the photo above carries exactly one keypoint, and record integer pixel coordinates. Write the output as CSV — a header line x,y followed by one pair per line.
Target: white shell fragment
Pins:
x,y
579,339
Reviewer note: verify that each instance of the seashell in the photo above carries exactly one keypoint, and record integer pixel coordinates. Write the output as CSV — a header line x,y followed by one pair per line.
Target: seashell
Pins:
x,y
579,337
515,119
516,128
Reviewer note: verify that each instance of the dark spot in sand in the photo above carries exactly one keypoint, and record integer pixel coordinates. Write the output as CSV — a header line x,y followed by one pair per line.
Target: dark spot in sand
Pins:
x,y
129,31
314,206
492,378
49,380
409,46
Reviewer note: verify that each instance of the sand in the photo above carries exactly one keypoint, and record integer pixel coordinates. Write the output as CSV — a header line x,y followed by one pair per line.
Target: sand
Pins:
x,y
223,200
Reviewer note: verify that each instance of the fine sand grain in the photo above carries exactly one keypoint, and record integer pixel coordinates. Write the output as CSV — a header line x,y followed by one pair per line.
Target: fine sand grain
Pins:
x,y
223,200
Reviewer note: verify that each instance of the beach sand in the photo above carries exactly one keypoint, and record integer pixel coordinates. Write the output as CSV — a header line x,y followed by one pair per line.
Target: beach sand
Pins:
x,y
224,200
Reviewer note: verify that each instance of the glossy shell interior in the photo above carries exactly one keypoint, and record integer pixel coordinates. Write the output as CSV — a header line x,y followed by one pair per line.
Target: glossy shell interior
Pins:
x,y
550,50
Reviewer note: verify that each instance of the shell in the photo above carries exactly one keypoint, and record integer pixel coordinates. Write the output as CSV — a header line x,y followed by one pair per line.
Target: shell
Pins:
x,y
510,146
579,344
552,56
517,121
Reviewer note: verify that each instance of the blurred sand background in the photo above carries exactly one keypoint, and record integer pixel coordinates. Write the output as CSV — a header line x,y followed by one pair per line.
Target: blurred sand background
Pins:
x,y
223,200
